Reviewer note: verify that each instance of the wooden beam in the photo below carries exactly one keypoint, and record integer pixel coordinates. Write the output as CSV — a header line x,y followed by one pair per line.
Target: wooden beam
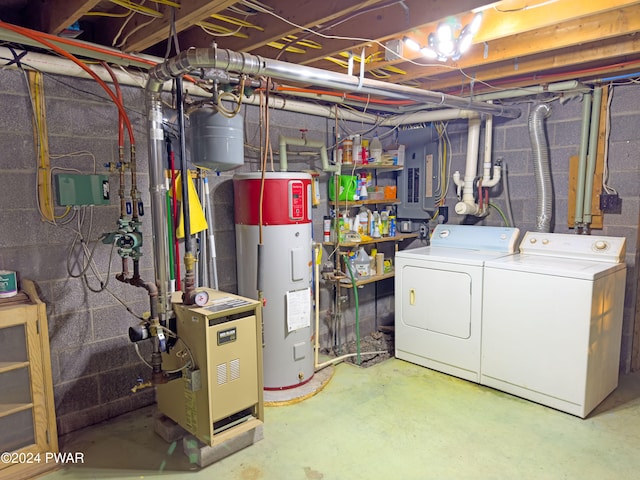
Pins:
x,y
536,68
379,24
500,22
56,15
516,49
307,13
188,14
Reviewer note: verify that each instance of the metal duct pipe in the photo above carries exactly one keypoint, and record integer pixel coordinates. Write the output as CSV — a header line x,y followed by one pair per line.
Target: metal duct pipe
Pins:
x,y
541,167
158,192
241,62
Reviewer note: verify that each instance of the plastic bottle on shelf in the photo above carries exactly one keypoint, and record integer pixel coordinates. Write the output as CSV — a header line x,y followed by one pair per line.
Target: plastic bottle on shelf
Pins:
x,y
357,150
375,150
384,220
362,264
347,151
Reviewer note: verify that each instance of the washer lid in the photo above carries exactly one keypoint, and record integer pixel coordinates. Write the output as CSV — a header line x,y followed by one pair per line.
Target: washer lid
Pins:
x,y
554,266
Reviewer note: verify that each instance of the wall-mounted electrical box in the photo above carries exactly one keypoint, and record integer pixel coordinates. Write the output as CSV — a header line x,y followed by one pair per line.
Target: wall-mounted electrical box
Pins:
x,y
77,189
418,181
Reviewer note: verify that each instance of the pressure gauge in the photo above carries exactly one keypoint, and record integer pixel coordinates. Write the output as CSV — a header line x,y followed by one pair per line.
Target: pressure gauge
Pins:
x,y
201,298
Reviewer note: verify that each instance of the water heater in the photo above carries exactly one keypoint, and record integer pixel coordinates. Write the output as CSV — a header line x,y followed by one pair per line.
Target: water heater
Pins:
x,y
287,264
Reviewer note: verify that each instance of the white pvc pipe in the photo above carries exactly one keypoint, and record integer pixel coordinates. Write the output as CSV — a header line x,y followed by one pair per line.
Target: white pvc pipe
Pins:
x,y
487,180
468,206
303,142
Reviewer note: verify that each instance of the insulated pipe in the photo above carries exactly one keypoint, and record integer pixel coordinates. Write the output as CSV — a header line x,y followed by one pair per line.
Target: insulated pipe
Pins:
x,y
468,206
541,166
303,142
61,66
519,92
246,63
582,158
592,153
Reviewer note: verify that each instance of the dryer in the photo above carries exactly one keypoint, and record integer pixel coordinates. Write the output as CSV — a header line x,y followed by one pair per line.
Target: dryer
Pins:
x,y
552,320
438,297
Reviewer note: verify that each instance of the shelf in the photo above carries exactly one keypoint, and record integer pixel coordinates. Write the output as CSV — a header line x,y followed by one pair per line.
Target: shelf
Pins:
x,y
8,366
7,409
398,238
375,278
346,167
357,203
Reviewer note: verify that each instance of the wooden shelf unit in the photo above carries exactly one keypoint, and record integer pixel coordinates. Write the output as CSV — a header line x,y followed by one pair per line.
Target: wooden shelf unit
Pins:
x,y
27,409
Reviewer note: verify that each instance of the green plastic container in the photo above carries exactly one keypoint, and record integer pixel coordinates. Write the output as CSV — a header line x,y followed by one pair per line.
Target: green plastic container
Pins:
x,y
348,185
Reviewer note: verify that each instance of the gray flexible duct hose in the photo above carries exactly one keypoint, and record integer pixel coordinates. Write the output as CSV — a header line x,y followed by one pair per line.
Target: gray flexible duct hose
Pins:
x,y
541,167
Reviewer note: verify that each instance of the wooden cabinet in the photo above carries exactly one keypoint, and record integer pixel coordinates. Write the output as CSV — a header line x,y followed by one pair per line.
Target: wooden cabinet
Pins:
x,y
27,411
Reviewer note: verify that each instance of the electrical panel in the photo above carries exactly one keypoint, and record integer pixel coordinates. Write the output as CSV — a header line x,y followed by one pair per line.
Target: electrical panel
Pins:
x,y
78,189
418,182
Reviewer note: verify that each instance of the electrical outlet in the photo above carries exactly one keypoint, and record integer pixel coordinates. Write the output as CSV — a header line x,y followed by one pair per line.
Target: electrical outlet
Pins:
x,y
610,203
444,213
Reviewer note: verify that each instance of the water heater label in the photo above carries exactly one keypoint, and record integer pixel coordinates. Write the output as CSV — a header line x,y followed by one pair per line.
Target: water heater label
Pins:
x,y
227,336
296,200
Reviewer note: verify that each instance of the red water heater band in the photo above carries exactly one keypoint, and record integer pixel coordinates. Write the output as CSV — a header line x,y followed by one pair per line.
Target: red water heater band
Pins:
x,y
286,201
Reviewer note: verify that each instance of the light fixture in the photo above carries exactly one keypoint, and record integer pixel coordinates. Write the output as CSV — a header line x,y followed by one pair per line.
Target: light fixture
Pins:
x,y
450,40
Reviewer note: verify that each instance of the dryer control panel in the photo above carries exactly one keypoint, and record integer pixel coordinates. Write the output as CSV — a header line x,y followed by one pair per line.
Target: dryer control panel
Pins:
x,y
587,247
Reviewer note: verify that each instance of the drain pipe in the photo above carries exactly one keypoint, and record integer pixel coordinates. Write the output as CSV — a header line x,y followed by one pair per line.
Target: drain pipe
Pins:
x,y
303,142
468,206
541,166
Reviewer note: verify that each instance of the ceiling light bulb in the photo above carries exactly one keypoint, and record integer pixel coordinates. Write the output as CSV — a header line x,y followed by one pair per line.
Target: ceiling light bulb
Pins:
x,y
446,48
428,52
445,32
464,42
411,44
475,23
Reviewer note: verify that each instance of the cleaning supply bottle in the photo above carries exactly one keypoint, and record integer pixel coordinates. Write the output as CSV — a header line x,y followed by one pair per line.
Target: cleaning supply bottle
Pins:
x,y
362,264
375,150
357,150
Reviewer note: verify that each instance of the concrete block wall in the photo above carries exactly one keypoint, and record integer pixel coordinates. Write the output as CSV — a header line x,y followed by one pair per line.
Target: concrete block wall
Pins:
x,y
94,365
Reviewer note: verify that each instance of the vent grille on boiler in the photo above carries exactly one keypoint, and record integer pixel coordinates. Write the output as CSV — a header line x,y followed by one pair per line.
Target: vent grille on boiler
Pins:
x,y
234,367
222,373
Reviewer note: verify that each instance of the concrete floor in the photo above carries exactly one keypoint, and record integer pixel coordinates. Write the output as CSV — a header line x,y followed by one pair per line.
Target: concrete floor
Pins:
x,y
390,421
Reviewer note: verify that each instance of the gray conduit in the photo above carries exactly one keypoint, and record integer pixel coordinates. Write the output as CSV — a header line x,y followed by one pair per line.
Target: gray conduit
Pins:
x,y
541,167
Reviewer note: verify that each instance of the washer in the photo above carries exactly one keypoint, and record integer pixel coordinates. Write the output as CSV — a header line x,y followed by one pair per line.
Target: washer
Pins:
x,y
552,320
438,297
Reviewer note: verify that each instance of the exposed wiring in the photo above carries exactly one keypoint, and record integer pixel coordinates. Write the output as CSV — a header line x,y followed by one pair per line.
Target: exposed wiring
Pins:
x,y
502,215
138,8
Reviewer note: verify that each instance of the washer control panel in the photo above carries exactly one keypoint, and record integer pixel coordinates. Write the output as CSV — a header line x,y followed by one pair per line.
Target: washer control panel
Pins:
x,y
590,247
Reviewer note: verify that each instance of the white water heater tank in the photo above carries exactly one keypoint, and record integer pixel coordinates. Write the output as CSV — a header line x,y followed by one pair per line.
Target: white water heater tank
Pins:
x,y
287,263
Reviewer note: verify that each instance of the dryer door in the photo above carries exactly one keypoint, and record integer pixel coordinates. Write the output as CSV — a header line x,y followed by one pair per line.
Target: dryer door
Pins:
x,y
437,300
